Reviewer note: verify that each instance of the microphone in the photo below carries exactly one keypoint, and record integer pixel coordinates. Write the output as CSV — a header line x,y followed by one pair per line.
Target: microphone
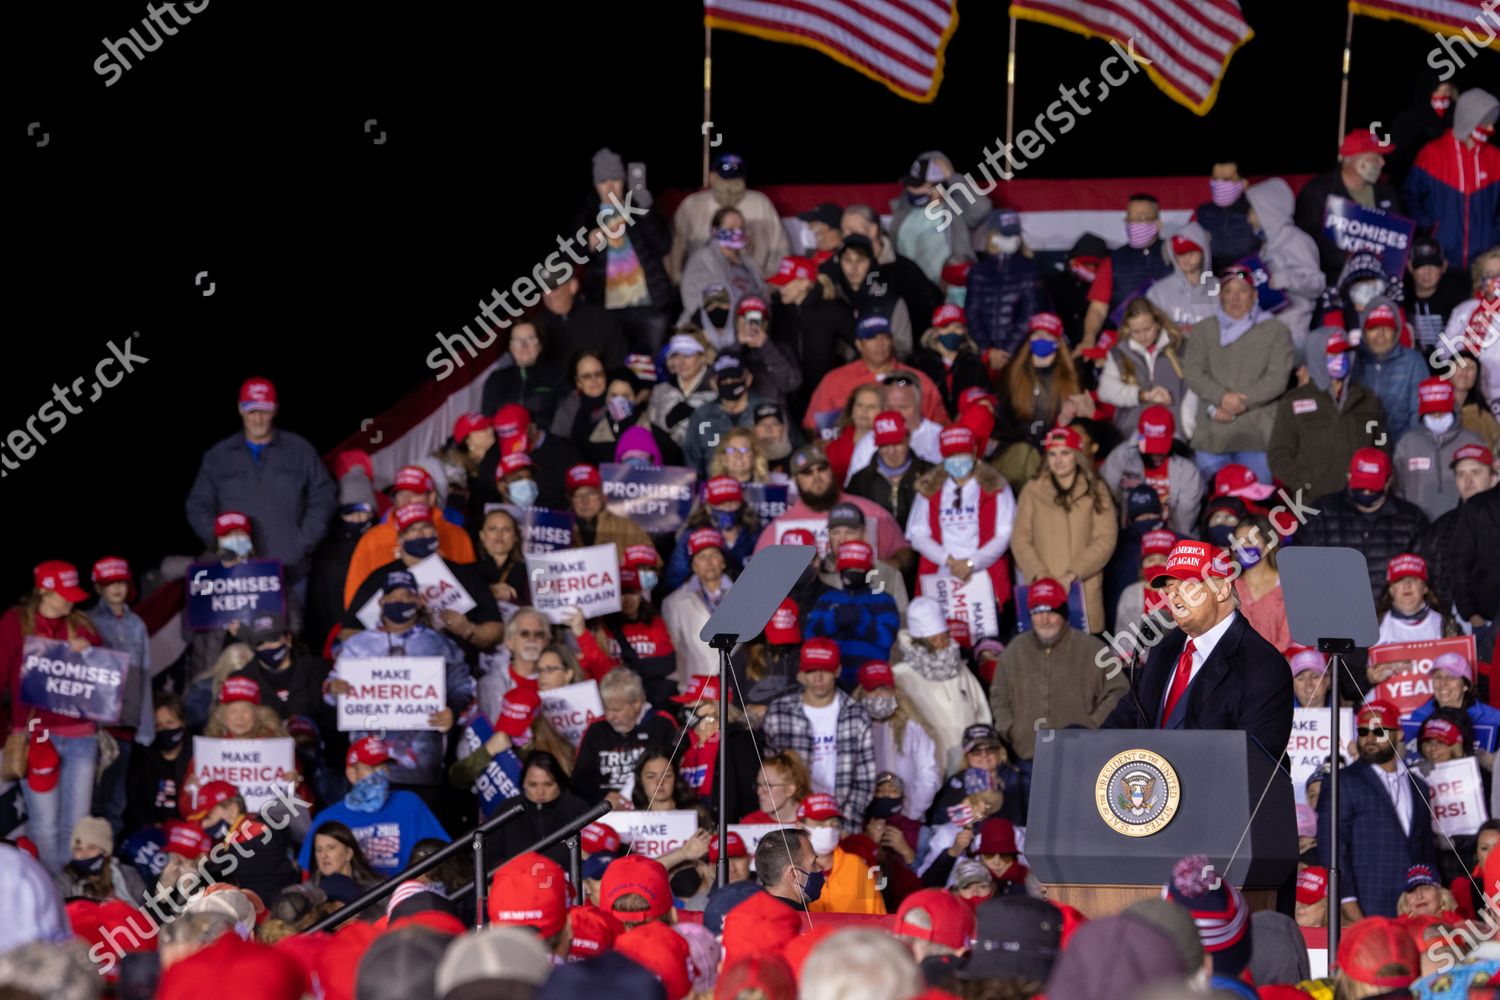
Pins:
x,y
1135,694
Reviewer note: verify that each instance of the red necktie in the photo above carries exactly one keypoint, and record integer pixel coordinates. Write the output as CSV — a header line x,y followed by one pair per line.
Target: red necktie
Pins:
x,y
1179,682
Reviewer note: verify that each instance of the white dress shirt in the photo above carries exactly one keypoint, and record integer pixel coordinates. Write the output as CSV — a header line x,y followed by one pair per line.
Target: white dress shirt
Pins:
x,y
1203,647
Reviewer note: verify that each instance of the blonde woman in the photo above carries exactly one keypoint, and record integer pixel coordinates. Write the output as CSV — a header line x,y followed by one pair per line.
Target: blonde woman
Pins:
x,y
858,418
1145,367
904,742
739,456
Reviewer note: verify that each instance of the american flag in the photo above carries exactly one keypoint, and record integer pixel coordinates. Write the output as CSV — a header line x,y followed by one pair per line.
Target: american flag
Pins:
x,y
1184,45
896,42
1448,17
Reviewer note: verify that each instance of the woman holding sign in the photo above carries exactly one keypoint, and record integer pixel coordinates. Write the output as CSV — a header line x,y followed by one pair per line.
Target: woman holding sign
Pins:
x,y
1453,687
61,750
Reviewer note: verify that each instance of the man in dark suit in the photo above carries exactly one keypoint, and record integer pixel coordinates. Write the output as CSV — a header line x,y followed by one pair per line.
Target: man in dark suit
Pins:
x,y
1214,671
1385,824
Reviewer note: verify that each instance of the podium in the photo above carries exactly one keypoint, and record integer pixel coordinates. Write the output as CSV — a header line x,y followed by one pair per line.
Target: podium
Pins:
x,y
1112,810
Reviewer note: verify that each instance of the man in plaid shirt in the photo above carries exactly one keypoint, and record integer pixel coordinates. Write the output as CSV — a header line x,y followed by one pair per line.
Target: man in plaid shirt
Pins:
x,y
830,730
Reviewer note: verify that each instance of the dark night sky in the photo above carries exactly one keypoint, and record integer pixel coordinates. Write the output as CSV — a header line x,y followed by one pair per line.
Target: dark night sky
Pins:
x,y
238,148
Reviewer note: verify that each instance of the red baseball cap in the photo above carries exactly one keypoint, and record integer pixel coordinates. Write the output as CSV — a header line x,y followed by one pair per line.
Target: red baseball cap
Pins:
x,y
791,269
1235,480
1157,543
43,764
1047,323
819,653
637,556
599,837
1441,730
195,803
1192,560
232,959
1473,453
186,839
819,806
413,479
469,423
1364,140
701,687
723,489
947,314
1369,469
950,922
1183,244
662,952
1434,395
409,514
517,709
512,461
512,421
704,538
1156,427
61,578
782,629
1338,341
855,555
996,836
229,522
1046,594
1378,951
736,847
370,750
1382,315
956,273
1312,885
1405,565
1103,344
957,439
110,569
750,304
876,674
635,875
239,689
975,394
890,428
1380,711
580,476
1062,437
594,931
797,536
257,394
529,890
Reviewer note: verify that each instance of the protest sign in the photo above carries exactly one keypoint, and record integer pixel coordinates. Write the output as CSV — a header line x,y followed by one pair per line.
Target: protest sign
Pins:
x,y
441,589
219,594
1078,611
1269,299
572,709
1458,798
1411,686
652,834
586,578
973,602
542,530
1354,227
255,767
754,833
391,692
500,779
768,500
83,685
658,500
1308,747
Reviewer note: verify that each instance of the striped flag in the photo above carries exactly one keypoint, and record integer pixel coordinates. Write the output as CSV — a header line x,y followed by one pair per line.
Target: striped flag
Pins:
x,y
1446,17
895,42
1185,45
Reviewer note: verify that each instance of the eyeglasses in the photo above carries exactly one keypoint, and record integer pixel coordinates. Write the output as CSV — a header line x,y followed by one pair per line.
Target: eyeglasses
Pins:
x,y
780,784
985,751
524,342
736,449
816,467
553,668
1371,732
525,634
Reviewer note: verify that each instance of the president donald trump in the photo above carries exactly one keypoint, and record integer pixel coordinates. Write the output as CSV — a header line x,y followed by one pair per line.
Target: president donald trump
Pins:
x,y
1214,671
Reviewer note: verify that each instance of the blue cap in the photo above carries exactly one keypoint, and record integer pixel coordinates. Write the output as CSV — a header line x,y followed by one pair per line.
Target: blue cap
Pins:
x,y
398,578
729,166
1006,221
872,326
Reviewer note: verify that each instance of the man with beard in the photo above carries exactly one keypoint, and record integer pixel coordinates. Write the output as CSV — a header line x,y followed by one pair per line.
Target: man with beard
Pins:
x,y
775,436
817,492
526,635
1385,826
1215,671
726,187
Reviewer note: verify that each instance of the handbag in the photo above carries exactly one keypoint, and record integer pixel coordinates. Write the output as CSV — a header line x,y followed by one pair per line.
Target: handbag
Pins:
x,y
16,756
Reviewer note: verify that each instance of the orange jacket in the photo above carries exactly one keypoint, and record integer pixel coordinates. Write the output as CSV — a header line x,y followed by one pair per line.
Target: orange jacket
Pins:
x,y
850,887
378,546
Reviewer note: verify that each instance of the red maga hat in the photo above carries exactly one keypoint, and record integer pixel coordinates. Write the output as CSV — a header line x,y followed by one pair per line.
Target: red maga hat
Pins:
x,y
947,314
257,394
468,423
1369,469
1156,427
782,629
369,750
957,439
890,428
1434,395
62,579
819,654
875,674
581,476
1405,565
819,806
1046,594
413,479
1364,140
409,514
855,555
230,522
723,489
1192,560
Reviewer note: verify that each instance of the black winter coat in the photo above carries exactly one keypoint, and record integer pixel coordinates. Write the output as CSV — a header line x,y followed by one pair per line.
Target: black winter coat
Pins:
x,y
967,371
1381,536
532,825
1477,587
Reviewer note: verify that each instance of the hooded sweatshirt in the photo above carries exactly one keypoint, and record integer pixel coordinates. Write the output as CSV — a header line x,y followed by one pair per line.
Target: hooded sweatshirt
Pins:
x,y
1184,300
1394,376
1418,125
1290,255
914,229
1454,185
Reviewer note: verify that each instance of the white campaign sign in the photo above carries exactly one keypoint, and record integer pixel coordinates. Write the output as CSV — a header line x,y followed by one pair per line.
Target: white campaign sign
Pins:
x,y
652,834
571,709
391,692
1308,748
586,578
440,590
1457,797
754,833
973,602
252,766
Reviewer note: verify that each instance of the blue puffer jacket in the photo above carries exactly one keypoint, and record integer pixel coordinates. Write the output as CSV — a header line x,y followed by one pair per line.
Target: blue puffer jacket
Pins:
x,y
1004,291
862,622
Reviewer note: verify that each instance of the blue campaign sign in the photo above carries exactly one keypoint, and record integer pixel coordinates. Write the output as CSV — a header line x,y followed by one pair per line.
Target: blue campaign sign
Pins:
x,y
219,594
1078,614
83,685
1353,226
1269,299
769,500
658,500
542,530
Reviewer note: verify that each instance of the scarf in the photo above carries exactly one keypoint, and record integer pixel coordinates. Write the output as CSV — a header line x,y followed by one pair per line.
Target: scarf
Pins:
x,y
942,665
712,603
1231,330
893,472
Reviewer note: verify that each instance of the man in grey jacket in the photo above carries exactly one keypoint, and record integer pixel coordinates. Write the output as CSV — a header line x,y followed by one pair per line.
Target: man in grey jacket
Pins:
x,y
273,476
1147,457
1290,255
1424,453
1184,295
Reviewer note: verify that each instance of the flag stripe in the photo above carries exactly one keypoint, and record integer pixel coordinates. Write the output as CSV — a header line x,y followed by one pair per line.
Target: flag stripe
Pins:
x,y
811,24
1449,15
1107,24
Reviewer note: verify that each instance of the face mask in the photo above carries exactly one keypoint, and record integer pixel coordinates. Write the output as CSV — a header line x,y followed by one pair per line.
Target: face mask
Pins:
x,y
1440,105
1082,272
881,707
814,886
237,544
353,529
717,316
1224,193
731,391
522,492
1338,365
420,548
1140,234
274,657
399,612
369,794
1249,555
648,580
854,579
885,807
959,466
731,239
1043,347
824,838
620,408
1367,498
218,831
1482,133
1360,293
1369,170
951,341
955,295
685,883
917,200
91,866
725,519
1438,423
1218,534
168,739
1005,244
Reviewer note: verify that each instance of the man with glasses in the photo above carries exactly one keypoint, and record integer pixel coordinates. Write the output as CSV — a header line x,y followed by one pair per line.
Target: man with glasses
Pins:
x,y
1385,823
735,407
817,493
1130,268
526,636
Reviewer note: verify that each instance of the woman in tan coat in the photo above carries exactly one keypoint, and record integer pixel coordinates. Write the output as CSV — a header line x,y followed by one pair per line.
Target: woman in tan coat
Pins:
x,y
1066,523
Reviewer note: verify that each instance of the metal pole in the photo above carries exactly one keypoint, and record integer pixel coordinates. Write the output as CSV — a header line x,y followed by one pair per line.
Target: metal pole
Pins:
x,y
575,868
708,77
722,777
1010,84
1335,666
479,910
1344,87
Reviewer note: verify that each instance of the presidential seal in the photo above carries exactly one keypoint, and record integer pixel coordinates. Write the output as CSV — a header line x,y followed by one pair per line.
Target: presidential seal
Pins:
x,y
1137,793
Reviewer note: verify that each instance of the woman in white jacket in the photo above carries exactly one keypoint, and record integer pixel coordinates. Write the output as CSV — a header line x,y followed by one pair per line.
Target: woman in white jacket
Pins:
x,y
931,674
902,738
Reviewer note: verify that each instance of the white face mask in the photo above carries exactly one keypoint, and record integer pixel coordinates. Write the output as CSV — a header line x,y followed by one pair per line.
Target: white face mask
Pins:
x,y
1362,292
1439,423
824,839
1005,244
